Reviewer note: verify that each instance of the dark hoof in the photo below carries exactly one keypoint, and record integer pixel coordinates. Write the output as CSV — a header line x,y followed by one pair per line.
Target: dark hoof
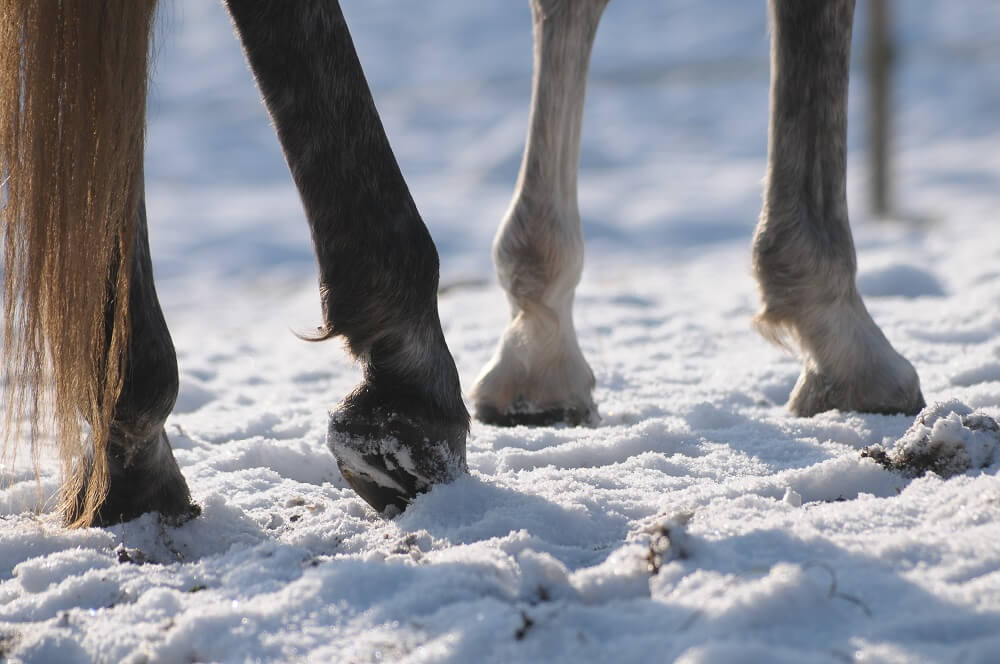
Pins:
x,y
574,417
388,453
143,477
373,481
175,509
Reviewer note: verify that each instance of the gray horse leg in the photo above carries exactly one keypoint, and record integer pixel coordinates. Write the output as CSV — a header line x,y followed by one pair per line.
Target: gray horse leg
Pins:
x,y
143,474
538,374
404,428
803,252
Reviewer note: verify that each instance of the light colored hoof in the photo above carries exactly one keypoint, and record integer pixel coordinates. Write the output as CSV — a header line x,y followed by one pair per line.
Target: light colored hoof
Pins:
x,y
535,389
889,389
849,363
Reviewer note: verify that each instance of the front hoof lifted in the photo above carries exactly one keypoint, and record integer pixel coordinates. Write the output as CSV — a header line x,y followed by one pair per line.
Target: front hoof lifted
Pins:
x,y
388,456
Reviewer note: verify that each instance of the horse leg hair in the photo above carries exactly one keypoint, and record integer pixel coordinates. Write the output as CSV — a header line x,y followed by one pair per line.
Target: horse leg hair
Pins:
x,y
404,427
83,336
538,374
803,252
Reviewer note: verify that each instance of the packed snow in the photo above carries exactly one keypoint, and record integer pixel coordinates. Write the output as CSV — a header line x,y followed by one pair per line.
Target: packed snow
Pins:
x,y
700,521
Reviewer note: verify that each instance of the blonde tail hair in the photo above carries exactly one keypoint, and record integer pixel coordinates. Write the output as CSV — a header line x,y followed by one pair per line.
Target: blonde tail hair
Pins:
x,y
72,121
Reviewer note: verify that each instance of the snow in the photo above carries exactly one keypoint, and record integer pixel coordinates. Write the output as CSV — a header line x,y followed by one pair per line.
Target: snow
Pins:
x,y
947,438
700,522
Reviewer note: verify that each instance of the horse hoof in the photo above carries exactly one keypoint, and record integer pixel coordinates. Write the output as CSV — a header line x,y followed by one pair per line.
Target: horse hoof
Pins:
x,y
389,454
522,385
143,477
886,393
174,505
570,416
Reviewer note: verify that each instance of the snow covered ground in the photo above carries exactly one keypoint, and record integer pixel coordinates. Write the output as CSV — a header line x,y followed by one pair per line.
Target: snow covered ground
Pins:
x,y
699,522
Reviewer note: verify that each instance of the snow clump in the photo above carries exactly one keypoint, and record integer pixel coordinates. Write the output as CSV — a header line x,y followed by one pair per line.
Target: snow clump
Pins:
x,y
947,438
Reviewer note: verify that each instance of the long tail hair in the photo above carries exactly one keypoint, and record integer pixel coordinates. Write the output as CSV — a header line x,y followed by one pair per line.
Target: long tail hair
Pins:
x,y
73,79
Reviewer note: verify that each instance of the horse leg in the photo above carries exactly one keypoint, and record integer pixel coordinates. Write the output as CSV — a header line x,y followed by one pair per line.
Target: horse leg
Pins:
x,y
803,252
538,374
142,473
404,427
83,336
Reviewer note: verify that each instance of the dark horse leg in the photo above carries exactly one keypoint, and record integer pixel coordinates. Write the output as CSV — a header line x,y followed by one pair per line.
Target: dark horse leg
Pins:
x,y
404,427
143,475
803,252
538,374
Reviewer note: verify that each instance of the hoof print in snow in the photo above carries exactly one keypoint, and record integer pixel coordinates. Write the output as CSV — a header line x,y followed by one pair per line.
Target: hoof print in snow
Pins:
x,y
389,458
946,438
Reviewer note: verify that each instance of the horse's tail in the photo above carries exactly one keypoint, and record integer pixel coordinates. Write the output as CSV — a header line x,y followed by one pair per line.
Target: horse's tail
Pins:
x,y
72,122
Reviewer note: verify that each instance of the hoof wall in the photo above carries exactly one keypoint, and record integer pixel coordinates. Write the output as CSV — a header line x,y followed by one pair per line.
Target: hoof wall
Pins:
x,y
172,502
815,393
574,417
389,458
143,477
380,486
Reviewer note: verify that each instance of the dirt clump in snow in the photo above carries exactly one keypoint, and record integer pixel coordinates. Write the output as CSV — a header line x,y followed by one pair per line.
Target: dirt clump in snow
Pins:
x,y
946,438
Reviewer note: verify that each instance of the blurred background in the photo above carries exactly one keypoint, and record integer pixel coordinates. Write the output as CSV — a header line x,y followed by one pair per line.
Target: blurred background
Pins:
x,y
674,139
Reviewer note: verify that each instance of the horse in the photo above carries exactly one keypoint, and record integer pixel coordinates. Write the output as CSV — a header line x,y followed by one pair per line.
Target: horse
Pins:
x,y
87,353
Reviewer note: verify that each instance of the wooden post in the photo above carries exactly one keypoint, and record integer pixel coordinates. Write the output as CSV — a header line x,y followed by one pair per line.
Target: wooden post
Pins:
x,y
880,60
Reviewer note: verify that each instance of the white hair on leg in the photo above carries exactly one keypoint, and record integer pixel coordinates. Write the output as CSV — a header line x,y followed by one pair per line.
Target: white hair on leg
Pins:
x,y
803,252
538,374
